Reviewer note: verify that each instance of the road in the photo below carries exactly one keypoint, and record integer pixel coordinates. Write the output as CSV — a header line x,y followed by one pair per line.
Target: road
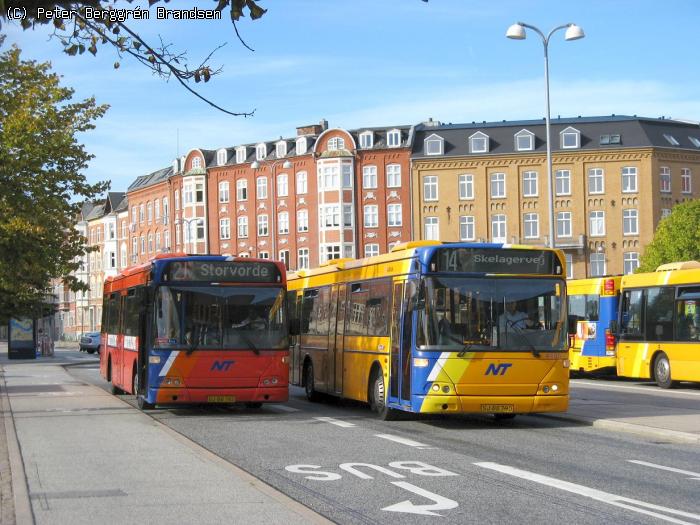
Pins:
x,y
336,459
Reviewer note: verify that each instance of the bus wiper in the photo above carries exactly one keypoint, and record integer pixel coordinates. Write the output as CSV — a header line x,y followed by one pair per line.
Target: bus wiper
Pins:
x,y
465,349
196,340
250,343
521,335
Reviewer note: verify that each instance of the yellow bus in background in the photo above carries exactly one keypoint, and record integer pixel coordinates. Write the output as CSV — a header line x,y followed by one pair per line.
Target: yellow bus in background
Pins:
x,y
659,324
435,328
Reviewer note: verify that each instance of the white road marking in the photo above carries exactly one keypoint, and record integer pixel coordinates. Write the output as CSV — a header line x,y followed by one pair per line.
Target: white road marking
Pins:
x,y
403,441
336,422
694,475
284,408
439,502
648,390
598,495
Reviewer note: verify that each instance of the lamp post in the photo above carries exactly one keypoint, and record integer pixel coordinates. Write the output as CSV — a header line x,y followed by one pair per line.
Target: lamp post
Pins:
x,y
188,222
273,184
573,32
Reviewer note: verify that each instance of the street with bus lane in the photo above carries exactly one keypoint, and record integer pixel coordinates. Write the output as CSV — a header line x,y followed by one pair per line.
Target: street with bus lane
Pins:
x,y
335,458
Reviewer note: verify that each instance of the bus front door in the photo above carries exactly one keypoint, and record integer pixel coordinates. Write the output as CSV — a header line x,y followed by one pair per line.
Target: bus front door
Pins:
x,y
334,364
401,329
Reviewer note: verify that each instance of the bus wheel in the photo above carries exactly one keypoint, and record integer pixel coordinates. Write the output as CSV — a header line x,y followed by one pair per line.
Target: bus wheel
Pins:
x,y
140,400
253,405
311,394
377,398
662,371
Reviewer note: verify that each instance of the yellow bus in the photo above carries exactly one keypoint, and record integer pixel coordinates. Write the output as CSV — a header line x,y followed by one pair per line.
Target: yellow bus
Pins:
x,y
592,304
659,325
435,328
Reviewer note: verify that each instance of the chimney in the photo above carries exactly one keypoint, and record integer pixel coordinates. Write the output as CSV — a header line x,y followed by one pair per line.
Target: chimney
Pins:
x,y
313,129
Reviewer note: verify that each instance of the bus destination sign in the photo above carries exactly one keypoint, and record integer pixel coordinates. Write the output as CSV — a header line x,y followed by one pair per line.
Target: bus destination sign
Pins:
x,y
222,271
495,261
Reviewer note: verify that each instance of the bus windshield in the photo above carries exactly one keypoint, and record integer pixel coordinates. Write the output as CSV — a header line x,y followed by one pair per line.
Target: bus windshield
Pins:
x,y
506,314
220,317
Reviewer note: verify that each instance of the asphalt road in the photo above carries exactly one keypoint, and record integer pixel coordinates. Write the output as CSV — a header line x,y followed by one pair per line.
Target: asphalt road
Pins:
x,y
336,459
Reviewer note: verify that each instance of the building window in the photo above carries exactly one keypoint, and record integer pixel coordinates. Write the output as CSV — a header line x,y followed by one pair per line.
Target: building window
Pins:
x,y
156,209
301,146
371,216
531,223
241,155
665,179
466,186
263,229
597,264
630,222
336,143
221,157
393,176
596,224
498,185
366,139
261,151
569,259
200,229
243,227
433,145
524,140
157,241
466,228
177,199
245,255
530,184
665,212
695,141
283,223
629,180
479,143
199,192
686,180
302,221
630,262
329,177
330,215
223,191
302,258
112,260
166,211
393,138
371,250
264,255
347,176
150,243
124,261
394,215
261,188
224,229
186,194
570,138
564,224
596,181
347,215
166,240
112,231
301,182
134,215
284,257
330,252
430,188
432,229
563,182
177,234
499,231
135,245
369,177
142,213
282,185
671,139
281,149
196,163
125,229
242,190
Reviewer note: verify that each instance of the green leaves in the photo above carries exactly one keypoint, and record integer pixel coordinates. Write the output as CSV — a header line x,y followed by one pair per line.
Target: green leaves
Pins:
x,y
677,238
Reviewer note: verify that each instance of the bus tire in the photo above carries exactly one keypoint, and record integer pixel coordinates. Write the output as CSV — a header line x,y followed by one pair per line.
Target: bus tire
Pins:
x,y
140,400
662,371
377,398
311,393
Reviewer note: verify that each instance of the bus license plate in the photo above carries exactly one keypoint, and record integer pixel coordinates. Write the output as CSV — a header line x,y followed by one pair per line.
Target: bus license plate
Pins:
x,y
221,399
497,409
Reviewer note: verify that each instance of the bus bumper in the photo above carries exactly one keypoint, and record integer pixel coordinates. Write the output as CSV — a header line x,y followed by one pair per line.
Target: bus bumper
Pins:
x,y
167,396
587,363
491,404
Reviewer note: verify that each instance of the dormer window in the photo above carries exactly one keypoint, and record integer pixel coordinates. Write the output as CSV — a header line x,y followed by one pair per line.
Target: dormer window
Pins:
x,y
524,140
221,157
261,151
671,139
241,154
336,143
366,139
479,143
302,145
695,141
196,163
393,138
434,145
570,138
281,149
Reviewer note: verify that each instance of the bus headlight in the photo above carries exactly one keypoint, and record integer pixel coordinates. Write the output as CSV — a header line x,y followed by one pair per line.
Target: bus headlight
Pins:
x,y
566,363
436,388
421,362
154,359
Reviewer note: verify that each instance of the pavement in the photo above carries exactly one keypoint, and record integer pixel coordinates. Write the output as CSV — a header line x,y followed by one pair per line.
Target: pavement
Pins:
x,y
76,454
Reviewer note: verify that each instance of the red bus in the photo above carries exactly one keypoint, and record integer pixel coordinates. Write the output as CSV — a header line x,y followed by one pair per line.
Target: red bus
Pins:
x,y
197,329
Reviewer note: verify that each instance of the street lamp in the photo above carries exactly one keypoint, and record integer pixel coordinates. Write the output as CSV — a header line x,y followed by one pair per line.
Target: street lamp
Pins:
x,y
573,32
188,223
273,184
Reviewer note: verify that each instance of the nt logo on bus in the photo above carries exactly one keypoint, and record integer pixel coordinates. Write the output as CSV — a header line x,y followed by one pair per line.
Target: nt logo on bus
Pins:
x,y
498,370
221,366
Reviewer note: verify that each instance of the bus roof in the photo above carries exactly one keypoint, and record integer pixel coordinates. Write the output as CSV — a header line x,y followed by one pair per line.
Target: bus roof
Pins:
x,y
661,278
594,285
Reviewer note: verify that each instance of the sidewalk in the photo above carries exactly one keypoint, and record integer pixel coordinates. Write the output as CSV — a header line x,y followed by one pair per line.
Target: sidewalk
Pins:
x,y
80,455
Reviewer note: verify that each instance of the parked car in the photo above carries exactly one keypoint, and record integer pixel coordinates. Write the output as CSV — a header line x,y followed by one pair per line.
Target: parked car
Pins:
x,y
90,342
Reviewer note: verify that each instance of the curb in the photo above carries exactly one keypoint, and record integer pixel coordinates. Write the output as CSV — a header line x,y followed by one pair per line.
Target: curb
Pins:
x,y
20,489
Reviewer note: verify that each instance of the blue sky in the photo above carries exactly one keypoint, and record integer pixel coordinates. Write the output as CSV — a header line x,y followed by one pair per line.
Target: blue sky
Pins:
x,y
380,63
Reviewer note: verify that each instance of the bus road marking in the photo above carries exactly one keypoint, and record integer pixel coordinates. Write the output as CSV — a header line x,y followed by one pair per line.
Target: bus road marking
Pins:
x,y
693,475
634,505
589,384
439,502
284,408
404,441
336,422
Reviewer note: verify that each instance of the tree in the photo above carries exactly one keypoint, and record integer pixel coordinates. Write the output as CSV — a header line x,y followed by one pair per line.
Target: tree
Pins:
x,y
677,238
40,164
98,22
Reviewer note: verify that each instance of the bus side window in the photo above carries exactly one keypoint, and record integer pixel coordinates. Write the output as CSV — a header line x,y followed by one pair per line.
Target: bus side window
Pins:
x,y
292,312
632,313
659,314
307,306
378,308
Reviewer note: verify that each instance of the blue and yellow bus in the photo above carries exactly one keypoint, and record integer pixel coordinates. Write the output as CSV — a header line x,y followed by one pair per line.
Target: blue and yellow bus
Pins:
x,y
435,328
592,305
